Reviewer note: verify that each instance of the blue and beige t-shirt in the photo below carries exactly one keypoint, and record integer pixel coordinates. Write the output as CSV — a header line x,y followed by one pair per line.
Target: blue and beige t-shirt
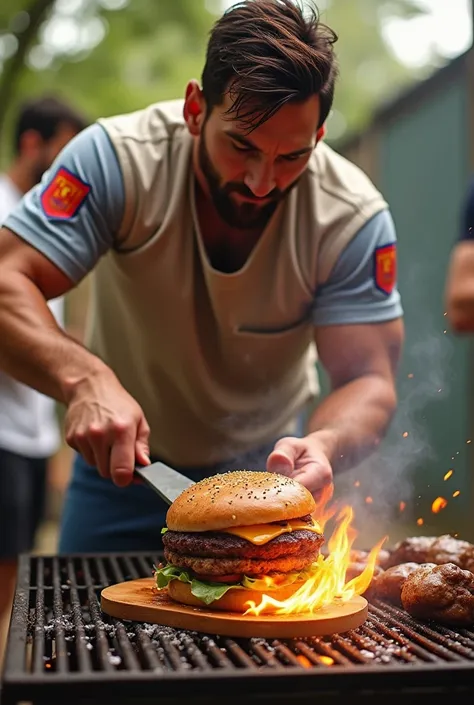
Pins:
x,y
219,362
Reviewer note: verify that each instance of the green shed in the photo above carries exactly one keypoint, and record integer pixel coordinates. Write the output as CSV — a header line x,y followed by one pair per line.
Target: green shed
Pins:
x,y
419,150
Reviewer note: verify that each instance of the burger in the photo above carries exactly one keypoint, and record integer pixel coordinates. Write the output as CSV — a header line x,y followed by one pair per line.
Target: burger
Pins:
x,y
233,537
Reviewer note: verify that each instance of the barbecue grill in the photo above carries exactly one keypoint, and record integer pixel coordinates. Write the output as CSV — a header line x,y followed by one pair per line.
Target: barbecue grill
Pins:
x,y
61,648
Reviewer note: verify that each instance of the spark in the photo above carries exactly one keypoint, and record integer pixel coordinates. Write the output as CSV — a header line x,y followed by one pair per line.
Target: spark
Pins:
x,y
448,475
411,375
469,441
439,504
420,521
357,483
457,493
402,506
369,500
405,435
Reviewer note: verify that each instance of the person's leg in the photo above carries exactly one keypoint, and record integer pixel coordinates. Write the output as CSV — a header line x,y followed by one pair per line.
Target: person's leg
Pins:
x,y
21,502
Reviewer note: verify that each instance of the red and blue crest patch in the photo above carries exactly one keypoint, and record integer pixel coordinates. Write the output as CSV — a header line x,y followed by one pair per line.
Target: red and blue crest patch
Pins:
x,y
64,194
385,268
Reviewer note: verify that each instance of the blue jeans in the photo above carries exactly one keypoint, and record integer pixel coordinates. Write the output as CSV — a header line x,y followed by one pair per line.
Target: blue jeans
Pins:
x,y
99,517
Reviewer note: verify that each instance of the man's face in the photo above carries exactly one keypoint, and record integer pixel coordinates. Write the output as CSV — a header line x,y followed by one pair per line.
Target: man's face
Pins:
x,y
248,174
47,150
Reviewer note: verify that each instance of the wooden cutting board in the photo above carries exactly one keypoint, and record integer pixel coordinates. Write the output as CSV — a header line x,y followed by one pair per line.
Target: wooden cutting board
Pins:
x,y
140,601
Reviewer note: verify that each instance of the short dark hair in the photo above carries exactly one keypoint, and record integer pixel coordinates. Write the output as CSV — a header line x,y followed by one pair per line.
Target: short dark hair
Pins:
x,y
265,53
45,115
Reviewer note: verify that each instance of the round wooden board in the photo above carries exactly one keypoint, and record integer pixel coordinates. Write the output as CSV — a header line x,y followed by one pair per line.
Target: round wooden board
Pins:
x,y
139,601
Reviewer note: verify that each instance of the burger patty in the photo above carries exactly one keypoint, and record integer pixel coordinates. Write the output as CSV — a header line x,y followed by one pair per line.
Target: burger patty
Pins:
x,y
240,566
212,544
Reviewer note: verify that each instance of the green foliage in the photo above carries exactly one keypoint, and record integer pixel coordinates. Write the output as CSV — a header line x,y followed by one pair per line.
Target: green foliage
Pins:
x,y
114,56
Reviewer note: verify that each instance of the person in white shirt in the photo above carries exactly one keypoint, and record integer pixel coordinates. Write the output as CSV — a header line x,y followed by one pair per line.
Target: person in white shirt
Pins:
x,y
29,431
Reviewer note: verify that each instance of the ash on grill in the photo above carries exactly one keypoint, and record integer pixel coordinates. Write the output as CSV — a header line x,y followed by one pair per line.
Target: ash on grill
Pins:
x,y
61,646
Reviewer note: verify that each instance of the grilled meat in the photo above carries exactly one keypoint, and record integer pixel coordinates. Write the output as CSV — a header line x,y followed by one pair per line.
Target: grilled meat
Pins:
x,y
355,569
433,549
210,544
253,567
388,584
444,593
362,557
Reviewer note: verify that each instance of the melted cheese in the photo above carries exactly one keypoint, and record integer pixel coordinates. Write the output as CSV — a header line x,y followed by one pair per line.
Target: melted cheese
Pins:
x,y
263,533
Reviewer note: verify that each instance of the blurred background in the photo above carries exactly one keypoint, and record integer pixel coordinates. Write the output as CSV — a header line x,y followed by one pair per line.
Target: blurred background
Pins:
x,y
404,111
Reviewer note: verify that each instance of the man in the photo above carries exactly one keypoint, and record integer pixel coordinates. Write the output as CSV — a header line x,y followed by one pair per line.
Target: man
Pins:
x,y
29,433
227,245
460,282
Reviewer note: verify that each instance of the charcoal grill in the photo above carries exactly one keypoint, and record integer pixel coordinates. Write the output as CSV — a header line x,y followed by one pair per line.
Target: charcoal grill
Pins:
x,y
61,648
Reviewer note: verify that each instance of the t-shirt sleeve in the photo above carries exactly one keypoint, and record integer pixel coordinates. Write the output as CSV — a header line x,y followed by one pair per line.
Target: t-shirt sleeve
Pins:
x,y
73,216
467,216
362,287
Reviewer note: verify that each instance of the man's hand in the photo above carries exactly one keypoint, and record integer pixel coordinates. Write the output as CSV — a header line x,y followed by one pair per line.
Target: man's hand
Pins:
x,y
303,459
107,427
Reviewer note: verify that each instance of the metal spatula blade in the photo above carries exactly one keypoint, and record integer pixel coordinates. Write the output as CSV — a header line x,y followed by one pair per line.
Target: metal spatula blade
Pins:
x,y
168,483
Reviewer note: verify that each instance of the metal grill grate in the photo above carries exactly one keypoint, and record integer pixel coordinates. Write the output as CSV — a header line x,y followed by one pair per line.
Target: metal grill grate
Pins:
x,y
61,646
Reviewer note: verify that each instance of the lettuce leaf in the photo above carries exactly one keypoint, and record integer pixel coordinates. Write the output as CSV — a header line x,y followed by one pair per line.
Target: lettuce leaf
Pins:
x,y
208,591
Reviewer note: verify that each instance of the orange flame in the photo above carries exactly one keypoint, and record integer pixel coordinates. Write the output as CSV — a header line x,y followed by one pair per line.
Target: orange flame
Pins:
x,y
327,581
448,475
439,504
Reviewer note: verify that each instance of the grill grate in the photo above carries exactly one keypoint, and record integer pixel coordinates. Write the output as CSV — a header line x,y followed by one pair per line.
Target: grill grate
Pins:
x,y
61,645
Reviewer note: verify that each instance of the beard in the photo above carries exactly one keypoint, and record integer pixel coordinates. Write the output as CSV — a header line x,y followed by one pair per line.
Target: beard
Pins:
x,y
245,216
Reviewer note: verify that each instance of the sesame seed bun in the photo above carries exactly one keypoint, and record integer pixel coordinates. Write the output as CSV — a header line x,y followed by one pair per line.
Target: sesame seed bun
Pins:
x,y
239,498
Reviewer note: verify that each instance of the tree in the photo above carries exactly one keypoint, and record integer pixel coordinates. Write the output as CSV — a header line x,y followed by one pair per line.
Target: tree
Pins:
x,y
369,72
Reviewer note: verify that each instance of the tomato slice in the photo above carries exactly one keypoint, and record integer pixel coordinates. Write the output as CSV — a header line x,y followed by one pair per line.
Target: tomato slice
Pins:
x,y
218,578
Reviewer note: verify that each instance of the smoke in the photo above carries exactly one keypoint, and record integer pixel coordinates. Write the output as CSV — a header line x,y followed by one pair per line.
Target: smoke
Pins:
x,y
390,476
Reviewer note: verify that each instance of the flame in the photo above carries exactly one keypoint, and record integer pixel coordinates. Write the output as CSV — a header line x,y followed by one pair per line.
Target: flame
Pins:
x,y
448,475
439,504
326,660
402,506
327,578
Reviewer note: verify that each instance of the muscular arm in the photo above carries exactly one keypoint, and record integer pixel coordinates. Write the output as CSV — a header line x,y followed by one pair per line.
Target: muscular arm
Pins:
x,y
46,247
359,335
361,361
34,350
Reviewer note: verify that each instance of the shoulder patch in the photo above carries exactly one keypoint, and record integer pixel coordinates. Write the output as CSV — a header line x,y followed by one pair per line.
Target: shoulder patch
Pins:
x,y
385,267
64,194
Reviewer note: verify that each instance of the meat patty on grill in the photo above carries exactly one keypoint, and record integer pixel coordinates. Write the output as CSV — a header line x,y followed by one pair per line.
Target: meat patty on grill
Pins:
x,y
444,593
388,585
434,549
211,544
253,567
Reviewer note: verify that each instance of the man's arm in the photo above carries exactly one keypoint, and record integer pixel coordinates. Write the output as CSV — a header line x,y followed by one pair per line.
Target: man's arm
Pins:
x,y
359,336
43,253
460,281
361,362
